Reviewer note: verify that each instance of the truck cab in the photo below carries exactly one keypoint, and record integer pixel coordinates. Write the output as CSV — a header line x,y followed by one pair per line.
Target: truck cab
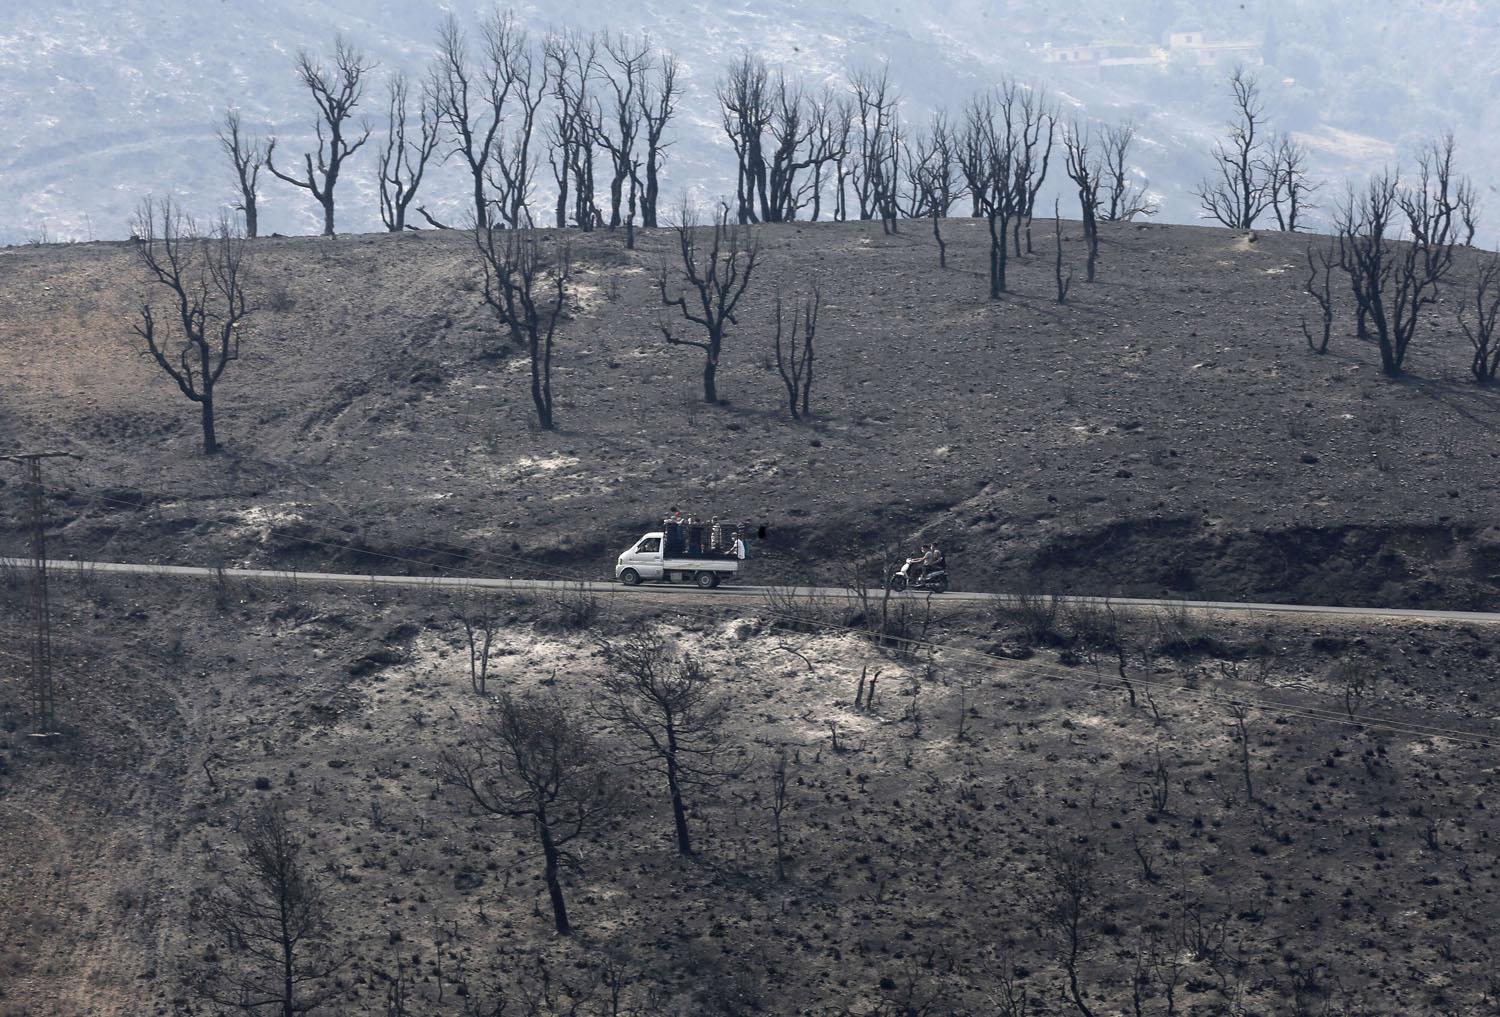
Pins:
x,y
645,561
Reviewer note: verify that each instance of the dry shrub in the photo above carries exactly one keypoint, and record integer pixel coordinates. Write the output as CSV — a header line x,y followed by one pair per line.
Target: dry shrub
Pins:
x,y
802,612
1037,614
576,607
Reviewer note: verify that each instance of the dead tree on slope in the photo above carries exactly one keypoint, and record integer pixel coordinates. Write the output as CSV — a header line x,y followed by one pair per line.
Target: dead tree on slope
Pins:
x,y
719,280
1391,284
1484,299
336,91
530,760
474,102
933,178
1321,261
832,119
792,128
1290,192
1239,190
1031,120
876,170
511,260
625,72
988,159
844,157
658,103
746,107
204,276
795,351
402,163
480,620
1126,199
572,66
1086,173
1066,910
513,164
247,157
1057,266
670,710
273,916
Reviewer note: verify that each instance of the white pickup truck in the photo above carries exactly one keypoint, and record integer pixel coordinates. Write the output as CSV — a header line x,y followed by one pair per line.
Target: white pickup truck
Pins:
x,y
644,560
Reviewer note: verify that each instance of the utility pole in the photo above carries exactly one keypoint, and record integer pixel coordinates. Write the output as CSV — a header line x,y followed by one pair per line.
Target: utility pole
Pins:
x,y
43,698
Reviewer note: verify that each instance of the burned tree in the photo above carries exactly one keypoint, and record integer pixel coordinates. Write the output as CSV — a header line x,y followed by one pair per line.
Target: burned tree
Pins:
x,y
1321,261
719,277
625,72
480,620
247,157
530,760
832,119
933,178
513,267
839,134
204,278
1063,283
273,916
792,130
572,64
794,351
987,156
1125,199
1066,910
1290,192
1085,172
876,170
1031,120
1484,299
336,91
745,111
669,709
780,798
402,162
1391,284
1240,188
1360,223
513,163
473,102
658,102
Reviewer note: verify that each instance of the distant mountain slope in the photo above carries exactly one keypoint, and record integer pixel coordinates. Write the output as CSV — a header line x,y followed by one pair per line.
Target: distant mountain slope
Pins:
x,y
104,102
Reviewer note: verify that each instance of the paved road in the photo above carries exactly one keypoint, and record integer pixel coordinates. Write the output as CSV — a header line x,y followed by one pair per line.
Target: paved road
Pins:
x,y
732,591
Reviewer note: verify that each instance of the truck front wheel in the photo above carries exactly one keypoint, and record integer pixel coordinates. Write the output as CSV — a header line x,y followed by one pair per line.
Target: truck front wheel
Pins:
x,y
707,580
630,577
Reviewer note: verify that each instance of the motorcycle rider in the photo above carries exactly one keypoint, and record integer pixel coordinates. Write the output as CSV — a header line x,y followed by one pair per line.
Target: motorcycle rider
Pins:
x,y
921,559
930,561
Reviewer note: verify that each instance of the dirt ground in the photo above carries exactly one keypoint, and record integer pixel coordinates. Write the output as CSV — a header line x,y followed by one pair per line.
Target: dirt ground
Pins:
x,y
1361,878
1165,431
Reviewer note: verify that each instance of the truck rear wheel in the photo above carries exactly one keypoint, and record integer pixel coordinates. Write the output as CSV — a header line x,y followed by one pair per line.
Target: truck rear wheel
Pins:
x,y
630,577
706,580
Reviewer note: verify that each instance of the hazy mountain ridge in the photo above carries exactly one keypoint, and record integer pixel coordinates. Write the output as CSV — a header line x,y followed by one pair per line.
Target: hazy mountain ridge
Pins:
x,y
105,104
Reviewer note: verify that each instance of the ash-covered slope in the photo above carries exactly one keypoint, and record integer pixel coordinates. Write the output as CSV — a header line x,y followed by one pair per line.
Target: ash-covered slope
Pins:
x,y
1165,431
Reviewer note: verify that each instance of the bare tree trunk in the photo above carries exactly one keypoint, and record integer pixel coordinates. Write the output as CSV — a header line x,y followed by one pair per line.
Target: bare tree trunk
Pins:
x,y
550,871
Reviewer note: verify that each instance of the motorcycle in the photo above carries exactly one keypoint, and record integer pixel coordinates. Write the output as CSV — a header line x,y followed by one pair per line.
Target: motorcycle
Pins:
x,y
935,581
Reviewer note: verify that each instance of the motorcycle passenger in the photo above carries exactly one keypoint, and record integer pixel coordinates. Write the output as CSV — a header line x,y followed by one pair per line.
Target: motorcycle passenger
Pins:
x,y
939,562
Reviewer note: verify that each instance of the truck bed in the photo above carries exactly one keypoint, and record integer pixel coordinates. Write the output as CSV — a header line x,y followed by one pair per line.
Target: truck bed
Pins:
x,y
700,563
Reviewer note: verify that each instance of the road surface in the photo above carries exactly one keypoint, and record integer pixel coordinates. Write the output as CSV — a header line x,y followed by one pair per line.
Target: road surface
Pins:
x,y
732,592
